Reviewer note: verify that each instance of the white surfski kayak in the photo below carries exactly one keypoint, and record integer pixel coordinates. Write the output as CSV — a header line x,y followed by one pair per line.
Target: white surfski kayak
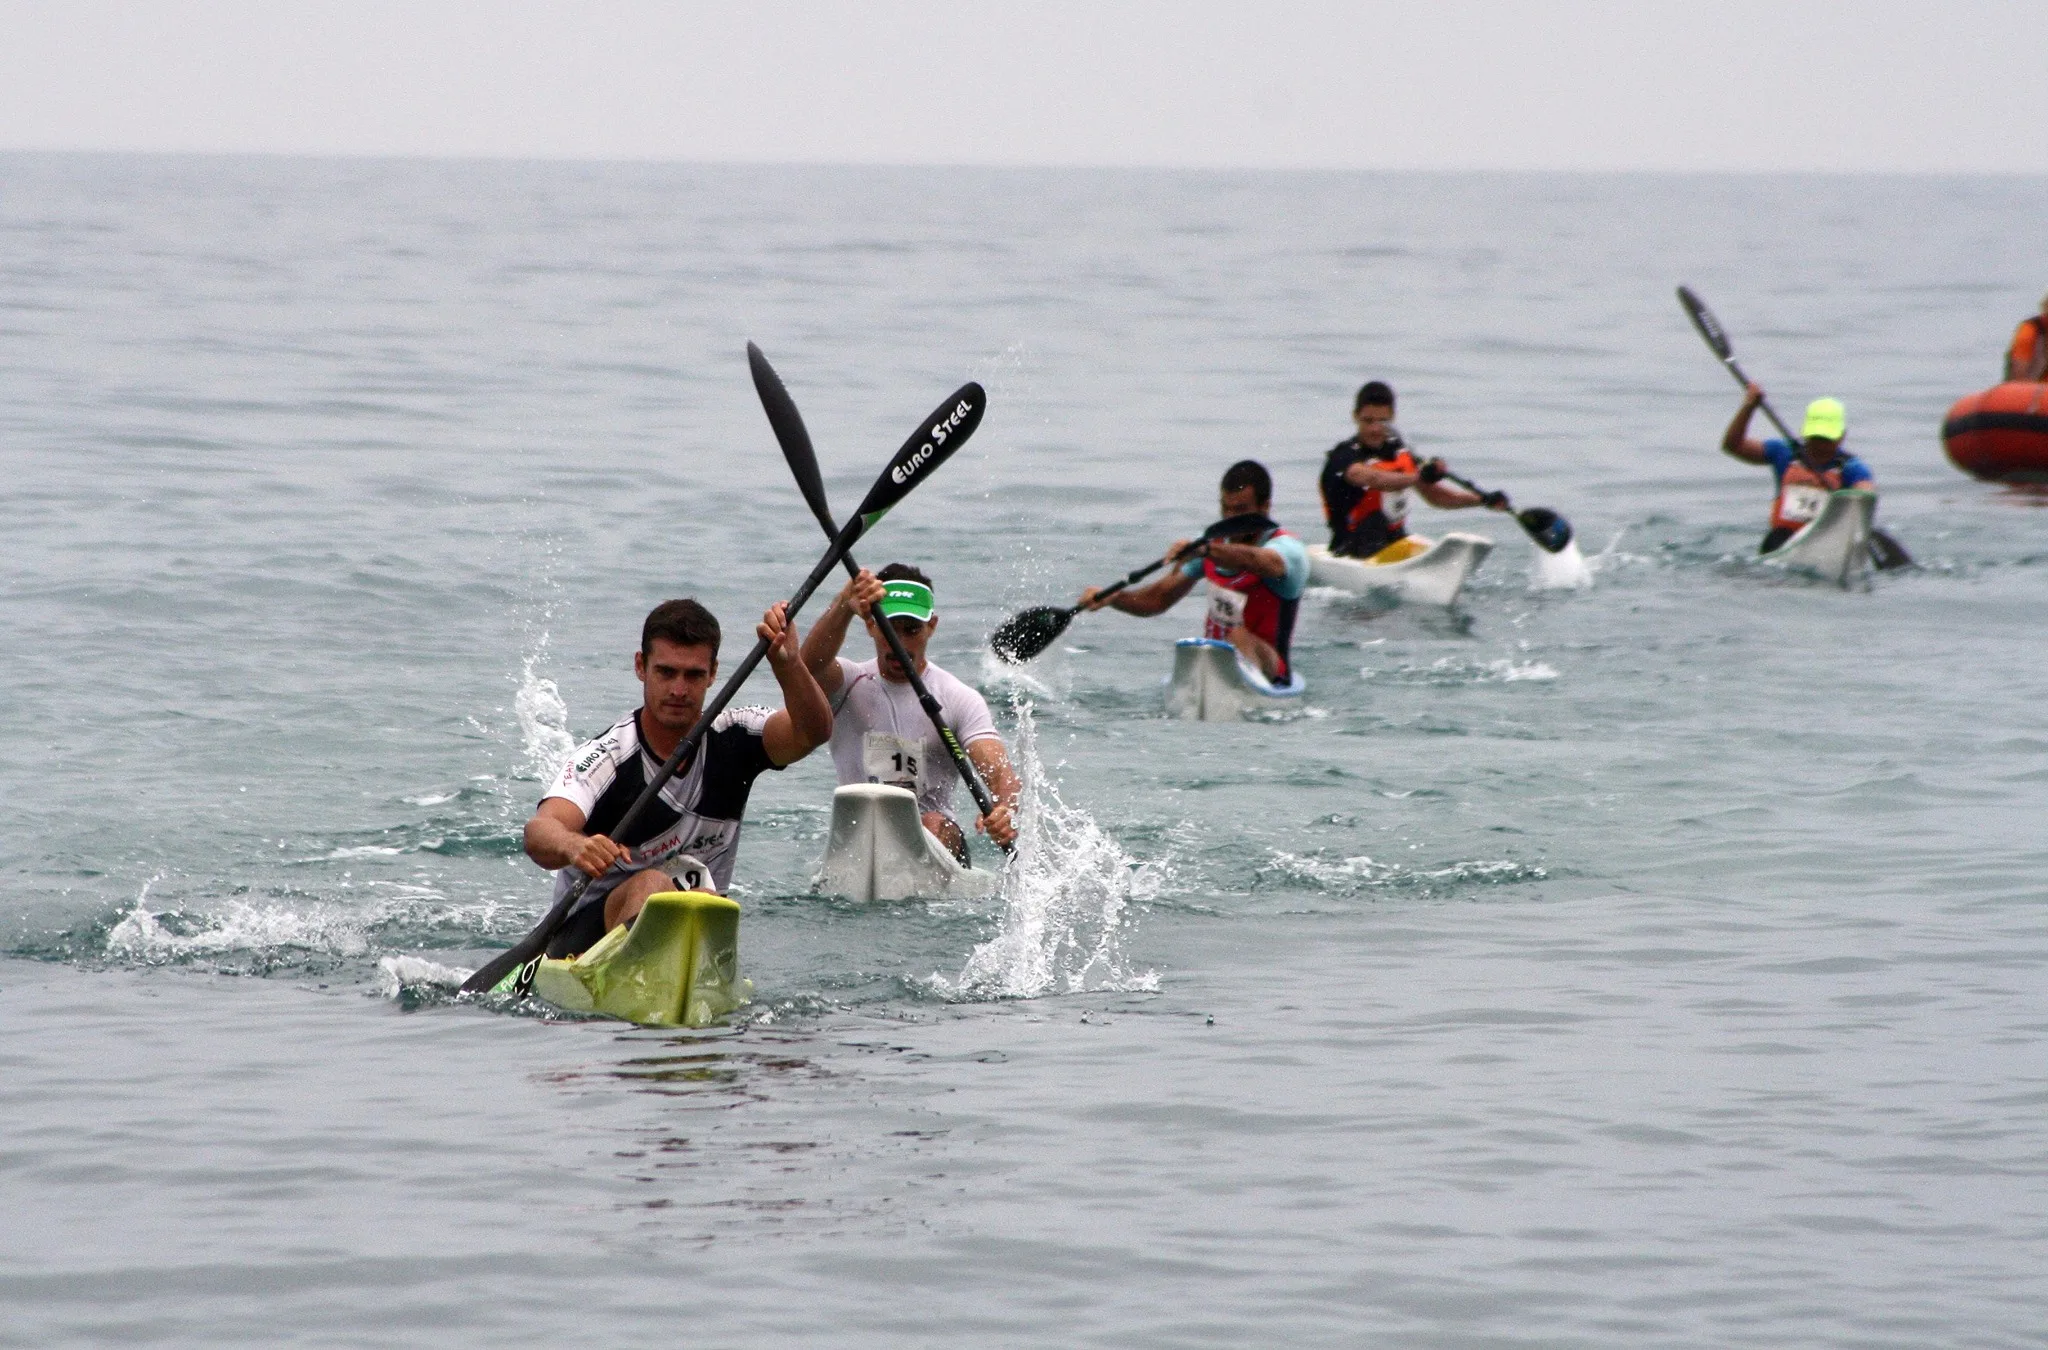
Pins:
x,y
1432,577
1212,683
879,849
1834,545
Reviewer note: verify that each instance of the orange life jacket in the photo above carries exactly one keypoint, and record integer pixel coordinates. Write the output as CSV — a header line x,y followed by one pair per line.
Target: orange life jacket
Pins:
x,y
2026,343
1393,505
1801,494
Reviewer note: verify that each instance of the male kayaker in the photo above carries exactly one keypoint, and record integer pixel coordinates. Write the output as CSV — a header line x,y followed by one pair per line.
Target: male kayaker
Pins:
x,y
2027,358
699,809
1806,473
1366,481
1255,582
880,733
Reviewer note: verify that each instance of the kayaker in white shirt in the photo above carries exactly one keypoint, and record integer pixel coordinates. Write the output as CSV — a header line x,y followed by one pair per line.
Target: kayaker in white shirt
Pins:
x,y
880,733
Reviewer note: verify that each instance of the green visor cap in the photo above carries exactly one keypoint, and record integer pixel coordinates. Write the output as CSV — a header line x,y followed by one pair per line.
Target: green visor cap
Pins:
x,y
1826,418
911,599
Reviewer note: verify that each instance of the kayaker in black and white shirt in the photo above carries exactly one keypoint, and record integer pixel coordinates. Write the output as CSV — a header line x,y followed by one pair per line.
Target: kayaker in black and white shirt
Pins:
x,y
698,812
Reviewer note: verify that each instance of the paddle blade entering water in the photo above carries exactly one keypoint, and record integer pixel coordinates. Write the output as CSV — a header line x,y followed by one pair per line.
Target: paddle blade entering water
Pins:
x,y
1023,636
1888,554
1550,530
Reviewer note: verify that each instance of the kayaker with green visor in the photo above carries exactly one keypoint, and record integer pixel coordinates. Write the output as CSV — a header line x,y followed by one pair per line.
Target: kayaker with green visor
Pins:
x,y
880,732
1806,473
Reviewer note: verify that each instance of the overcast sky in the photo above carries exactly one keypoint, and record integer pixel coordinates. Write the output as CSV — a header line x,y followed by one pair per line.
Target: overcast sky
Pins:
x,y
1576,84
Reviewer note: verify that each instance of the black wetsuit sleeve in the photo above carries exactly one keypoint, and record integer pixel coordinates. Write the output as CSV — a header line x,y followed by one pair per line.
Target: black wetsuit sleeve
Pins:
x,y
1339,495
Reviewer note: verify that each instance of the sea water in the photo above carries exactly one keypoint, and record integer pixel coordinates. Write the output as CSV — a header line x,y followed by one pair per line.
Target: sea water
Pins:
x,y
1660,960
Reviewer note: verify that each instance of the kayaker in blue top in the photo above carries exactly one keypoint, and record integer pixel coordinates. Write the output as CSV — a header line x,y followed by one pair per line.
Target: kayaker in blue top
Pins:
x,y
1255,583
1806,473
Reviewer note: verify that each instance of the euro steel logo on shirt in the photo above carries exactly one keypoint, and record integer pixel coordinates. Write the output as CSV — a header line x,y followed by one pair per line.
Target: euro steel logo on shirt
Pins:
x,y
903,472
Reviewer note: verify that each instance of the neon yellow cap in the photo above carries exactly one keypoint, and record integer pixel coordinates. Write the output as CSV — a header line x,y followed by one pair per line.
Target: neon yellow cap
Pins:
x,y
1826,418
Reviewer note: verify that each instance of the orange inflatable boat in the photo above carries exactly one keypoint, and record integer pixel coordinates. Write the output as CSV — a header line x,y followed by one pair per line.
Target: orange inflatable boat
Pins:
x,y
2000,434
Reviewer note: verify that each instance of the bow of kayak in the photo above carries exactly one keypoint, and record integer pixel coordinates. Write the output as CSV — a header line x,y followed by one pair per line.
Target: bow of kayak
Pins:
x,y
1212,683
879,849
1432,576
676,965
1834,545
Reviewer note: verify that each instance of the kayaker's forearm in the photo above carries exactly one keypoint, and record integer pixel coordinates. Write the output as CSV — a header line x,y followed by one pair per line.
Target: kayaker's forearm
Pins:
x,y
1252,558
1447,498
993,764
550,843
1386,480
810,712
827,636
1735,440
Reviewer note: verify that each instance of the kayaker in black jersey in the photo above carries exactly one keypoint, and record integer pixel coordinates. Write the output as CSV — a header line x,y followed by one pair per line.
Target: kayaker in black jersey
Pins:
x,y
698,813
1366,481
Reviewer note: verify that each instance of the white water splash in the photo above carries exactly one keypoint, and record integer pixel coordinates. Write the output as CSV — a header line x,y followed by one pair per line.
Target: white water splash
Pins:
x,y
543,721
241,928
1067,900
1566,570
1350,876
397,974
1451,670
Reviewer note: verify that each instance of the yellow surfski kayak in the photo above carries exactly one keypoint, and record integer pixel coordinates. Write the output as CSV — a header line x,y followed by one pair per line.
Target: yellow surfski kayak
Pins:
x,y
677,965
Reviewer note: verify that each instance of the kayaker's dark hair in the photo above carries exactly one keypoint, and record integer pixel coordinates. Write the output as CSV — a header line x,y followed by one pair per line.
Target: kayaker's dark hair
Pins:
x,y
905,572
1375,394
683,622
1249,473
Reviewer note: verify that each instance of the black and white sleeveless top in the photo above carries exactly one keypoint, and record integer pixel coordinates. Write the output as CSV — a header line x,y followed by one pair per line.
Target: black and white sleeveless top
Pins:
x,y
698,811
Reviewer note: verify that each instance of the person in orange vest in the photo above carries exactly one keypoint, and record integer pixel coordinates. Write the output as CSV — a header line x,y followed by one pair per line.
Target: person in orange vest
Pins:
x,y
1806,473
2027,358
1366,481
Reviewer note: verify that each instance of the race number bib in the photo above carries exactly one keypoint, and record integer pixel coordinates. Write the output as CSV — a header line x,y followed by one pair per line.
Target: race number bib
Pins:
x,y
1802,502
1226,608
895,760
1394,506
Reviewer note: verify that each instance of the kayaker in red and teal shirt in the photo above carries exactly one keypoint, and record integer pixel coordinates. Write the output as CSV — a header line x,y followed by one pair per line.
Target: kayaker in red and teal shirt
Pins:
x,y
1806,473
1255,583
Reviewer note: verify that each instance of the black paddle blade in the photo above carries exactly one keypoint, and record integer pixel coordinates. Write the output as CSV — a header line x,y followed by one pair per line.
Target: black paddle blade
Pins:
x,y
1239,527
945,431
790,433
1023,636
1888,554
1550,530
1704,320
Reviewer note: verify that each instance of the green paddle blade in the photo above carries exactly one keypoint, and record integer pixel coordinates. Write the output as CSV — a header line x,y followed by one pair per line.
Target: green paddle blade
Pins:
x,y
1023,636
1550,530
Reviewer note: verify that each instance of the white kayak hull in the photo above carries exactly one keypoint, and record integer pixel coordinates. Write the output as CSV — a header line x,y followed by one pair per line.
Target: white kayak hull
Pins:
x,y
879,849
1432,577
1212,683
1834,545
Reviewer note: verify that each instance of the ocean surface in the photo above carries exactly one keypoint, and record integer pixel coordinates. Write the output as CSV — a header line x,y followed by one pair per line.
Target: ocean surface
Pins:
x,y
1663,962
